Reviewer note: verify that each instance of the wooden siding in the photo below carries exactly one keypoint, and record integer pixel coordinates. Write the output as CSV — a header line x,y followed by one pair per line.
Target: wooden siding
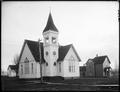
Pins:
x,y
90,72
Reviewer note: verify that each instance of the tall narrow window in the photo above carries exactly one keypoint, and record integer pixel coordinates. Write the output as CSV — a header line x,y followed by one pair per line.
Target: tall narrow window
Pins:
x,y
74,68
53,40
71,64
69,68
26,66
32,67
21,69
46,39
59,67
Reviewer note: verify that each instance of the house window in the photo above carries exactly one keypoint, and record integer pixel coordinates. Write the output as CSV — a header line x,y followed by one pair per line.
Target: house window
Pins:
x,y
32,67
54,53
46,53
53,40
71,64
21,69
59,67
69,68
74,68
46,39
26,67
46,64
54,63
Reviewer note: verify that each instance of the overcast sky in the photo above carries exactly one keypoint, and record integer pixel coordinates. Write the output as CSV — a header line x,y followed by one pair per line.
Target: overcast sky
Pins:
x,y
92,27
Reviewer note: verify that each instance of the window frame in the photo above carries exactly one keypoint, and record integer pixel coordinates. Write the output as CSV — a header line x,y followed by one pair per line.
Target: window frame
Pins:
x,y
32,68
21,69
26,66
60,67
46,53
47,40
54,40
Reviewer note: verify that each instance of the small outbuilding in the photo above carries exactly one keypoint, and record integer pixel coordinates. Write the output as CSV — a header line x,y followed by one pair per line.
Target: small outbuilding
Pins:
x,y
98,67
11,71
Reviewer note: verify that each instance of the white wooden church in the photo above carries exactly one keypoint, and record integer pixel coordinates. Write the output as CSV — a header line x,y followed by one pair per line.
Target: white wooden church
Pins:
x,y
56,60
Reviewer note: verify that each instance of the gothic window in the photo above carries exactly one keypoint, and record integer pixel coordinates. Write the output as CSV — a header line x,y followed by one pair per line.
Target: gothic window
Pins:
x,y
46,39
46,53
46,64
53,40
21,69
26,66
32,67
69,68
71,64
54,53
54,63
59,67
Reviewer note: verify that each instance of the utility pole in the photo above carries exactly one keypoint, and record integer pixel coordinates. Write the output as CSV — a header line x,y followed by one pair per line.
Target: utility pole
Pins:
x,y
40,61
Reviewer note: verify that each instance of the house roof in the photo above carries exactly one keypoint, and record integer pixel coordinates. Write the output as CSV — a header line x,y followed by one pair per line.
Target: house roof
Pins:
x,y
100,59
34,48
50,24
63,50
13,67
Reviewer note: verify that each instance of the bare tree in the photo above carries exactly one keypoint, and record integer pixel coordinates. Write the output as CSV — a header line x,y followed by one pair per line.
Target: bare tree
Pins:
x,y
16,62
16,59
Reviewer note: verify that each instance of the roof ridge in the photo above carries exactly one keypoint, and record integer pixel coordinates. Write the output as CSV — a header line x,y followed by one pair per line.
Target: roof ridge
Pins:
x,y
66,45
101,56
32,40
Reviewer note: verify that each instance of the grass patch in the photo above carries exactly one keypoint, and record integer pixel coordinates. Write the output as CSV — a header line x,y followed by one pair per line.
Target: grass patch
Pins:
x,y
18,84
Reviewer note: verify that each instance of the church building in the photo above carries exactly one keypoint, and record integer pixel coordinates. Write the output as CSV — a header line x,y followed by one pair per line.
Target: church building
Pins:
x,y
56,60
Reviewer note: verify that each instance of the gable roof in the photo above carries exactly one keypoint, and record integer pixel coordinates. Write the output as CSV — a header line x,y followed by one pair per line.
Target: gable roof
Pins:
x,y
13,67
63,50
34,48
89,60
99,59
50,24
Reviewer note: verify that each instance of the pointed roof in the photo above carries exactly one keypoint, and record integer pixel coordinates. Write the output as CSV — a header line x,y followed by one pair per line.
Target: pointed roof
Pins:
x,y
99,59
50,25
63,50
34,48
13,67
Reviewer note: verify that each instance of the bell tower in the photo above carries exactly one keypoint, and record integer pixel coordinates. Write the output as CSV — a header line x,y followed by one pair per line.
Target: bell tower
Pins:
x,y
50,35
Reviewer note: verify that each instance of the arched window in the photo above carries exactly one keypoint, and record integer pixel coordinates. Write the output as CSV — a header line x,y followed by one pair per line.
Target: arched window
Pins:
x,y
46,53
54,53
26,67
46,63
71,64
59,67
21,69
54,63
32,67
53,40
46,39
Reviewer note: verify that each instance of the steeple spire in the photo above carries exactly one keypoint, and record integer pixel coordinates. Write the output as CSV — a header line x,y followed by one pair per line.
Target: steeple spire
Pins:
x,y
50,24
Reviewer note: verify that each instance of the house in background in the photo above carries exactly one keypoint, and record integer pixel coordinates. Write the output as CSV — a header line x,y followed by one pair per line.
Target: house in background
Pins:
x,y
11,71
82,71
98,67
102,66
90,70
56,60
